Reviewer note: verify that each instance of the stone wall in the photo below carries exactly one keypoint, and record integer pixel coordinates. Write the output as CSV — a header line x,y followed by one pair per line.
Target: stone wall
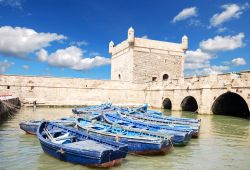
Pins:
x,y
205,89
76,91
71,91
122,64
149,65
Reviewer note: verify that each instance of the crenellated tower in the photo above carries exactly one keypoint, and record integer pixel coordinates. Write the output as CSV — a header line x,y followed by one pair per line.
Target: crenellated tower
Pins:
x,y
142,60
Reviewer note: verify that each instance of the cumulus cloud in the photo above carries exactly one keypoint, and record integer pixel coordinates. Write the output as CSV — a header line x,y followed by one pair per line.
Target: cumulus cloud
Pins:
x,y
185,13
4,65
220,43
20,41
197,59
71,57
42,55
238,61
231,11
198,62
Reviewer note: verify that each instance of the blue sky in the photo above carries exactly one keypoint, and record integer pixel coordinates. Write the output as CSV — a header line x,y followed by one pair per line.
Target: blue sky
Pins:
x,y
69,38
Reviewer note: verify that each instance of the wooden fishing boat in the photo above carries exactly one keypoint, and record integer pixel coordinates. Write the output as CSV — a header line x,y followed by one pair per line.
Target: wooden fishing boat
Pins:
x,y
139,142
144,109
31,126
153,114
71,145
171,125
142,114
93,109
179,138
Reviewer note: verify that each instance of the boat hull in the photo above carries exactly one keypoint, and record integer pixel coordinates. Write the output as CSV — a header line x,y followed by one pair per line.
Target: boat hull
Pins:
x,y
179,138
77,152
29,128
77,157
140,143
141,146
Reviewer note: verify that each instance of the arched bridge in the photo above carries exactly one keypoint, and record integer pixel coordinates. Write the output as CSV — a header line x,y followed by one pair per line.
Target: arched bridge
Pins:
x,y
226,94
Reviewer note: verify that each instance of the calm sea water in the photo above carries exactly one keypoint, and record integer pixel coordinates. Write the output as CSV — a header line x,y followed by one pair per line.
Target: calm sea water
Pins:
x,y
224,143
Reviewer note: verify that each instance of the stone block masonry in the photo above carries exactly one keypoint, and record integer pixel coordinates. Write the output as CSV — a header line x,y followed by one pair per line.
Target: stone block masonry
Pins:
x,y
51,91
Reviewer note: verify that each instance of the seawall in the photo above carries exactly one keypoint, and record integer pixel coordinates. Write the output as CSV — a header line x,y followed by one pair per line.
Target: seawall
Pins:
x,y
52,91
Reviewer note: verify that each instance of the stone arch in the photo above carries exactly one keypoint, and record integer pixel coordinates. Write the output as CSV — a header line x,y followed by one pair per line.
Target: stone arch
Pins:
x,y
167,104
231,104
189,103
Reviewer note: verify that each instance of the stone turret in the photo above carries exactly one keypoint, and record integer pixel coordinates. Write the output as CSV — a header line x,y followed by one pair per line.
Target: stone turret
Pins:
x,y
111,46
131,36
184,43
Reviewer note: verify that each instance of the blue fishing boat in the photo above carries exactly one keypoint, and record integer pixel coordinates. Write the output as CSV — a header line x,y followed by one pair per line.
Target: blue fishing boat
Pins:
x,y
179,138
144,109
180,120
71,145
171,125
31,126
93,109
159,115
139,142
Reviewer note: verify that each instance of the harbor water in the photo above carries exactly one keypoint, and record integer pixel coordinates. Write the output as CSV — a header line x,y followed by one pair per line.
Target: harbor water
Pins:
x,y
224,143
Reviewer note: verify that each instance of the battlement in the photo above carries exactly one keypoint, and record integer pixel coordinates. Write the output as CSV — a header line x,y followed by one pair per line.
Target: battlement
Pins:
x,y
148,45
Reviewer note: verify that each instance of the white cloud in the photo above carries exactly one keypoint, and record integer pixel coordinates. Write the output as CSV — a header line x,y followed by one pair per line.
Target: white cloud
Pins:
x,y
12,3
225,43
238,61
215,69
42,55
185,13
72,57
198,62
19,41
79,43
231,11
25,67
197,59
4,65
145,36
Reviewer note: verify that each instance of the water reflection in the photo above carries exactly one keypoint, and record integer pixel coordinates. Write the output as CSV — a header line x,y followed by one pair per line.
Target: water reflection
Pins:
x,y
224,142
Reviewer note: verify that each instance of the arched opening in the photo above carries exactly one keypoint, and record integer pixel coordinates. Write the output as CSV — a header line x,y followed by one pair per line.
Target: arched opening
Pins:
x,y
189,104
165,77
167,104
119,76
231,104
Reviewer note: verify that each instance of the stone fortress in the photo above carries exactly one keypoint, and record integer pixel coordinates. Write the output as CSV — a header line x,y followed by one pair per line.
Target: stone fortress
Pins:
x,y
142,71
142,60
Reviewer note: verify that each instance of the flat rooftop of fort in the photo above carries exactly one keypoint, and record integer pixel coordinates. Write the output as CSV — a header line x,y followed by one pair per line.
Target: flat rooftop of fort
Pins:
x,y
143,44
